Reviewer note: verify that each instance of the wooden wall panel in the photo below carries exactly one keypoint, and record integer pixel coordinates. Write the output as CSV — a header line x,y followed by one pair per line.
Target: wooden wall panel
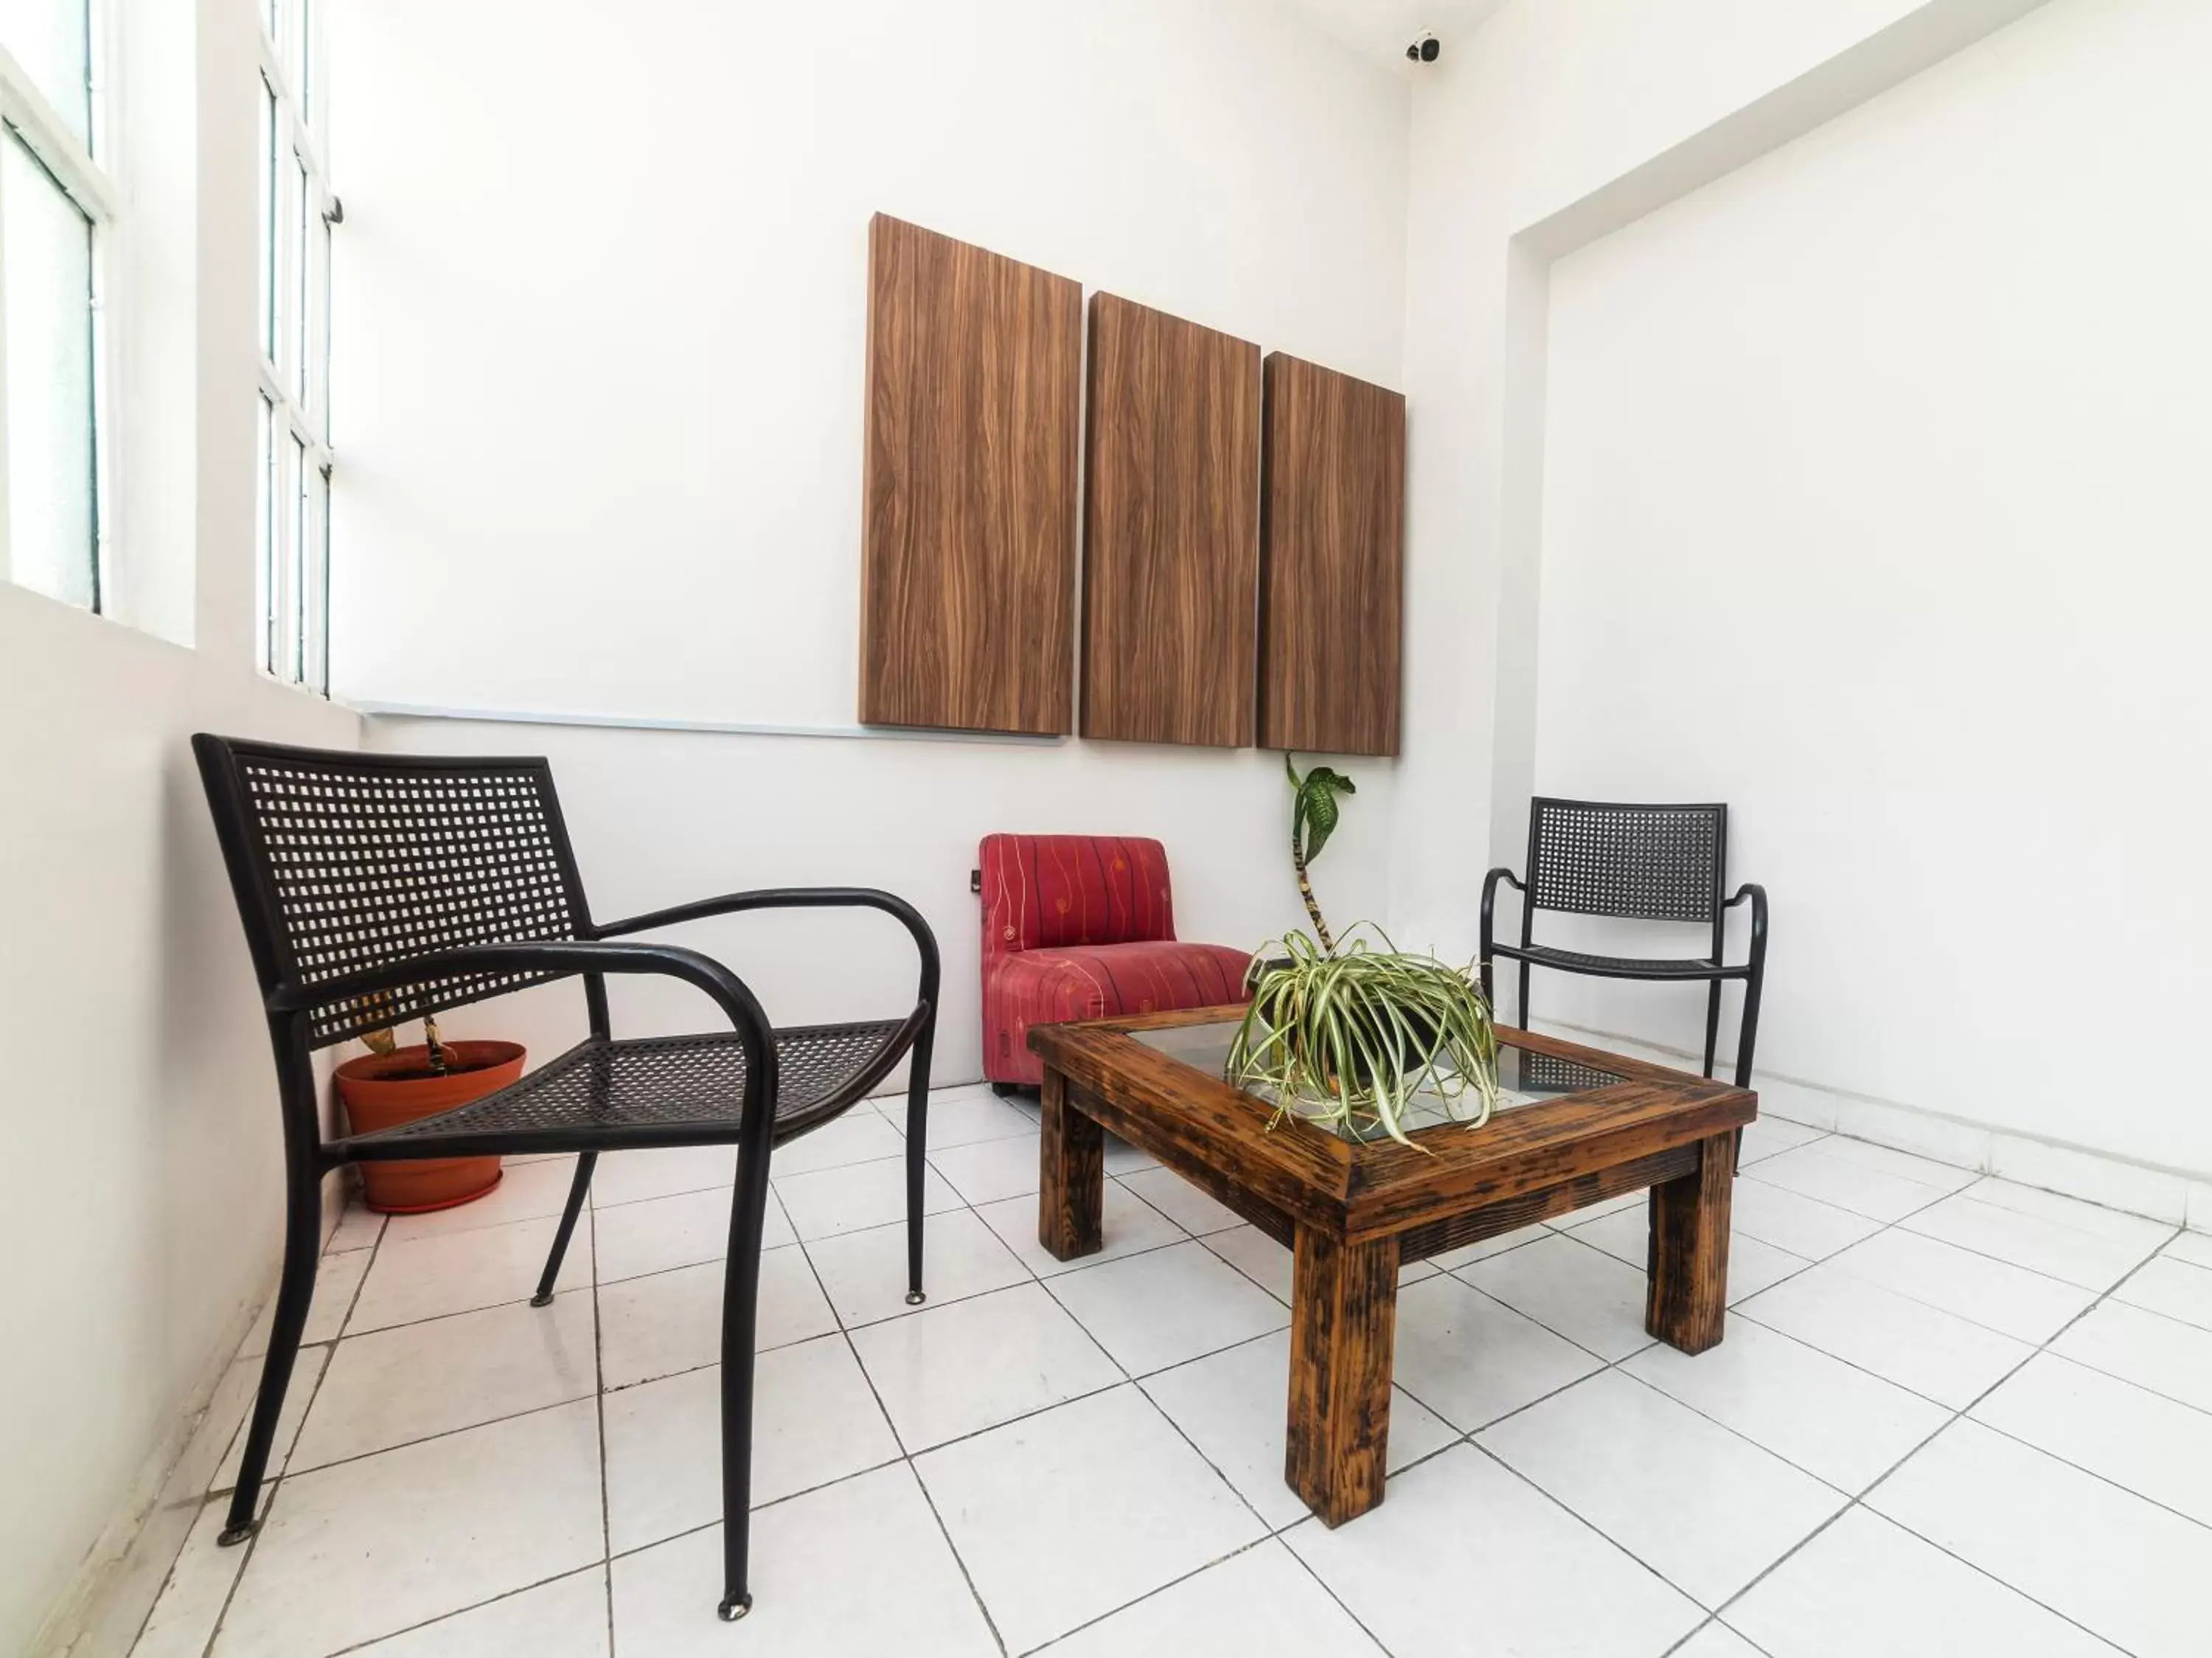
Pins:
x,y
968,534
1171,529
1332,541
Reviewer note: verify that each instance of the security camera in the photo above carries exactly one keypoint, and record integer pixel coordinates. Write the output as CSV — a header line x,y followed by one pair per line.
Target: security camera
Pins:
x,y
1423,51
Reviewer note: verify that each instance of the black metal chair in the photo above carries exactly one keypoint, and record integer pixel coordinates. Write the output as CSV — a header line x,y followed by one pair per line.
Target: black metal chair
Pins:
x,y
376,888
1635,863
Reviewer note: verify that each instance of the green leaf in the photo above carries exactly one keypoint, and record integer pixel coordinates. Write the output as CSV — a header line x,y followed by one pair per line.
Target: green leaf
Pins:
x,y
1320,814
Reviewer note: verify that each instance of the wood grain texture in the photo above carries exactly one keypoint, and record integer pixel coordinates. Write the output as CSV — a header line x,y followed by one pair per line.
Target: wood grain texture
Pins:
x,y
967,532
1352,1212
1332,543
1072,1176
1343,1316
1547,1203
1170,529
1184,1116
1685,1292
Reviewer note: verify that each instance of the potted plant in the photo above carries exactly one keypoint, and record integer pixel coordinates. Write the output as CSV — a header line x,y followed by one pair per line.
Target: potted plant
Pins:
x,y
1347,1036
391,1085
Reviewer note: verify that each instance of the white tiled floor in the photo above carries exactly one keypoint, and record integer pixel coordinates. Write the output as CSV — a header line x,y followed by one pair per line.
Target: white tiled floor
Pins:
x,y
1952,1415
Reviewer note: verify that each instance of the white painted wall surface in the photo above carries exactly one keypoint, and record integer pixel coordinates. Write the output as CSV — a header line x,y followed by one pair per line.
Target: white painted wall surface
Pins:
x,y
600,321
1551,106
1873,505
145,1194
602,316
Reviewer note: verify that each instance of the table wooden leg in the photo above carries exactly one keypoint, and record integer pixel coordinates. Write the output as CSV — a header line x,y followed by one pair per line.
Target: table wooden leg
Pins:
x,y
1687,1298
1071,1189
1344,1315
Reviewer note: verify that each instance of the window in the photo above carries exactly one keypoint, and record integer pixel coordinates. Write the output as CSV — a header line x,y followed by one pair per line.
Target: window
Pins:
x,y
57,204
296,212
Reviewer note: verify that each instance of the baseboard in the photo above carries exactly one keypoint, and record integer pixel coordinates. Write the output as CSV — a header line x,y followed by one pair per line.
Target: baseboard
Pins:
x,y
2178,1196
106,1603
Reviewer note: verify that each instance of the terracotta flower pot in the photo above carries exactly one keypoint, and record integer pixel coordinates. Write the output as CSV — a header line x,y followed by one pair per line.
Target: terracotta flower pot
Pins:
x,y
383,1090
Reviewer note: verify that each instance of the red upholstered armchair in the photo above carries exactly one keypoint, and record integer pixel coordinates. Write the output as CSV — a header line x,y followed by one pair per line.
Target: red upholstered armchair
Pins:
x,y
1083,927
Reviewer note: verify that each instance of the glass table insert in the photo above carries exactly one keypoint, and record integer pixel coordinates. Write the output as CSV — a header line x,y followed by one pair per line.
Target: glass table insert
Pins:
x,y
1525,1077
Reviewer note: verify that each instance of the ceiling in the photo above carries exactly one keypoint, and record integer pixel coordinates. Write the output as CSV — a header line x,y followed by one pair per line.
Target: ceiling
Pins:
x,y
1383,29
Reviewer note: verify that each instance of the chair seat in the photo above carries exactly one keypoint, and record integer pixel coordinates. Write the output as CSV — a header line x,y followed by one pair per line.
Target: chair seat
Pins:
x,y
1620,966
665,1090
1097,981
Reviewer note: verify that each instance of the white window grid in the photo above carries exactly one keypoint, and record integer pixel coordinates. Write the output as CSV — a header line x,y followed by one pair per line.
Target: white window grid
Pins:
x,y
297,209
28,113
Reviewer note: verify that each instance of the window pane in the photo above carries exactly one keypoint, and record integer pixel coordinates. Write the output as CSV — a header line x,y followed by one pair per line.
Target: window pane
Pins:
x,y
268,155
299,272
296,569
306,80
50,39
51,521
266,534
315,567
320,413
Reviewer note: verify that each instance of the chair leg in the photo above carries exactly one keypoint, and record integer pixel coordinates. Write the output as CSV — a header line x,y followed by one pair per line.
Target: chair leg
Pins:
x,y
1748,1032
578,1190
1712,1023
296,1289
917,1147
1524,996
740,1308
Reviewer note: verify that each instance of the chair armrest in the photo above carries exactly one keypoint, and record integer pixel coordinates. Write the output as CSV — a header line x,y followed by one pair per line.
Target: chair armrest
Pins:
x,y
1489,899
798,897
1757,894
727,991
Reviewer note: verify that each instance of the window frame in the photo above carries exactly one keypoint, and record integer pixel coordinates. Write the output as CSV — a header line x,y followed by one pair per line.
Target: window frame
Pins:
x,y
293,217
73,165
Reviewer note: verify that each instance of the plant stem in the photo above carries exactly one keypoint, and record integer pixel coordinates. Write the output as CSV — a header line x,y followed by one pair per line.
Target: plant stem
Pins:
x,y
1306,892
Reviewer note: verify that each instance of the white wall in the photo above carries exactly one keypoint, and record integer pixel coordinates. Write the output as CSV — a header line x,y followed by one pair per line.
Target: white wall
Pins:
x,y
1554,114
600,320
144,1195
1873,504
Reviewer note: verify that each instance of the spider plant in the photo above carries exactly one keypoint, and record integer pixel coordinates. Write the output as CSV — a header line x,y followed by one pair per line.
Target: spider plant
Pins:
x,y
1347,1037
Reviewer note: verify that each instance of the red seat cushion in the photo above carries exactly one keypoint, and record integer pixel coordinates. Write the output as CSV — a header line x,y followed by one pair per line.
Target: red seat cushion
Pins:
x,y
1097,981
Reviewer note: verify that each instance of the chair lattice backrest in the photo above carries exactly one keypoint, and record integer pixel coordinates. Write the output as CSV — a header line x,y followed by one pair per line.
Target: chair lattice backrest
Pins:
x,y
345,862
1637,863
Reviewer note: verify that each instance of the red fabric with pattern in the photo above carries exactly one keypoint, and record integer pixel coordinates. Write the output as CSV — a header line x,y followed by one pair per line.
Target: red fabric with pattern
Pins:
x,y
1083,927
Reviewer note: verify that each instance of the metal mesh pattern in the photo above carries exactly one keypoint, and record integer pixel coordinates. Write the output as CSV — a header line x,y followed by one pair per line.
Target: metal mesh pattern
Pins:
x,y
1549,1072
1644,863
599,1088
376,863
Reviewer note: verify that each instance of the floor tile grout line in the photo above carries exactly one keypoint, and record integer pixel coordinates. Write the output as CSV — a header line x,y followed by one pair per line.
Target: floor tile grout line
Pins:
x,y
1591,1526
1711,1620
905,1455
1952,1421
274,1489
846,1330
1984,1254
1268,1533
1853,1500
599,1566
599,1404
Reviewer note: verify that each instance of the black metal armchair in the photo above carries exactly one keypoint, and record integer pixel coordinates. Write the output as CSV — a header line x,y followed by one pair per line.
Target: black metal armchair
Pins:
x,y
376,888
1636,862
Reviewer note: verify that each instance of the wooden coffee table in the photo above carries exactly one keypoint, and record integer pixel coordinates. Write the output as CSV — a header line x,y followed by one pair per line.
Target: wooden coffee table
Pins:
x,y
1580,1126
